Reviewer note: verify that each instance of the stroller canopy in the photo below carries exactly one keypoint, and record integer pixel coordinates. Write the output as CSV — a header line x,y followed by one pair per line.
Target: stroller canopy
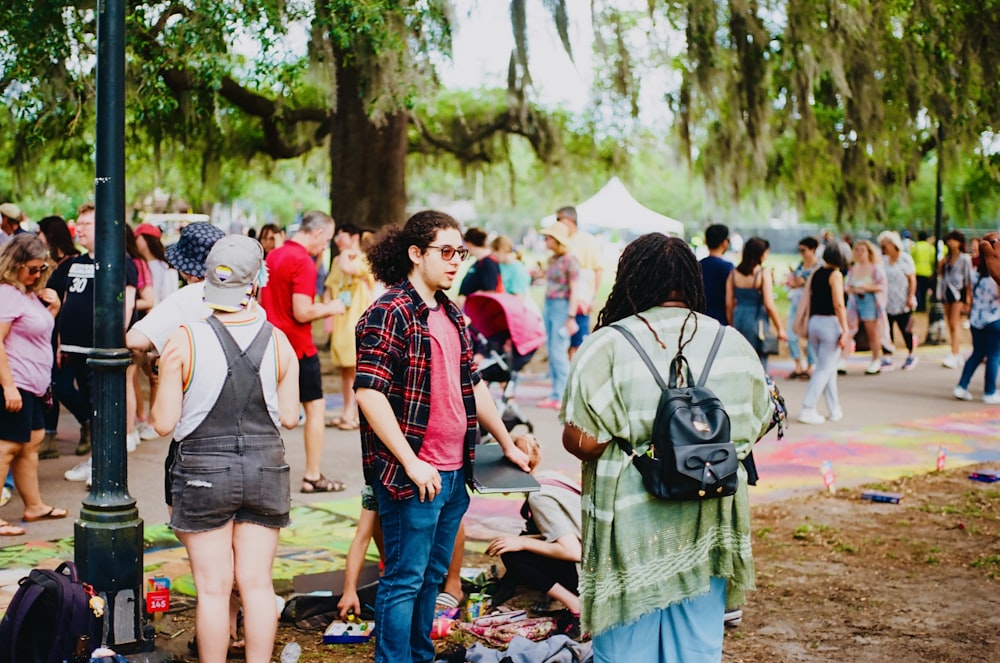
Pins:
x,y
494,312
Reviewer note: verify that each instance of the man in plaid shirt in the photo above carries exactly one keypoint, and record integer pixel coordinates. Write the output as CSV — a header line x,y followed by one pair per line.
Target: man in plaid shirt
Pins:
x,y
418,452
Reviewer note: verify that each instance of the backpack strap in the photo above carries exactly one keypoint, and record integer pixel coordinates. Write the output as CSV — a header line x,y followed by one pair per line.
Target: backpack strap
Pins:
x,y
630,337
711,355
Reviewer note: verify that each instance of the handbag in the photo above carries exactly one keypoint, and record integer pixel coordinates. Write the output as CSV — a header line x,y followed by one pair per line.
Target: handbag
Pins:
x,y
691,456
800,324
767,341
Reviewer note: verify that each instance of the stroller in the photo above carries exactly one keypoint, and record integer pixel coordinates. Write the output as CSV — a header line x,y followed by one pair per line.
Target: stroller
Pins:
x,y
507,333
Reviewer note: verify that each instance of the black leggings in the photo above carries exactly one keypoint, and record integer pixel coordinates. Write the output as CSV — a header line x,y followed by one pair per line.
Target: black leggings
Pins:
x,y
540,572
902,320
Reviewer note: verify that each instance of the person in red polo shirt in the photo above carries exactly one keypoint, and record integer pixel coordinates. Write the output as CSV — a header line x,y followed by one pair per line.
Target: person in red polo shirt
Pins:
x,y
290,301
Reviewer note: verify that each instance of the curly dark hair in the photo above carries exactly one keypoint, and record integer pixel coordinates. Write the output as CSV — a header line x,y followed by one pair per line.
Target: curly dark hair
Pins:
x,y
653,269
389,255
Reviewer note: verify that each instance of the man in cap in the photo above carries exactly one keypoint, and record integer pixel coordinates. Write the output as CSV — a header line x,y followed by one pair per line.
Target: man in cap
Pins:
x,y
73,281
10,221
290,301
226,384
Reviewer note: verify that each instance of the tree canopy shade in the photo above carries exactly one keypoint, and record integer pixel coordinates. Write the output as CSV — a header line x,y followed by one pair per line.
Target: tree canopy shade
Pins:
x,y
823,100
229,80
838,100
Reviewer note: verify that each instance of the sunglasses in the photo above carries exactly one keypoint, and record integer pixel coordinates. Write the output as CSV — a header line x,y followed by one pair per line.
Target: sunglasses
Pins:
x,y
449,252
35,271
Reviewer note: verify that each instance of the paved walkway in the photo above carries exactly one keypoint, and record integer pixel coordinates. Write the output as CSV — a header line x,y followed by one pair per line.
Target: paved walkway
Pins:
x,y
894,424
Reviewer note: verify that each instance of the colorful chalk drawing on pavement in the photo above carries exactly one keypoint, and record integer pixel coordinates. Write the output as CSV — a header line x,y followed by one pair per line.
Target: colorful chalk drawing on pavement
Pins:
x,y
316,542
877,452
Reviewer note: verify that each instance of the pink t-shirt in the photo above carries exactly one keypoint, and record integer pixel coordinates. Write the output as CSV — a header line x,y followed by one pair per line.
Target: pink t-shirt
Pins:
x,y
29,341
444,443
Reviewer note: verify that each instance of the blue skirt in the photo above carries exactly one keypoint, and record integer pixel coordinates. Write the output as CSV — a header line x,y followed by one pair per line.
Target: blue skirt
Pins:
x,y
687,632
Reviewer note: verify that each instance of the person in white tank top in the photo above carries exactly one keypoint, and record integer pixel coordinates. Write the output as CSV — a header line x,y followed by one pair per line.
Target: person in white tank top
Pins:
x,y
230,480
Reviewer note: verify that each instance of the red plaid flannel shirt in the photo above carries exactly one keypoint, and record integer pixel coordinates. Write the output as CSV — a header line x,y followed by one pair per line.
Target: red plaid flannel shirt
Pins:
x,y
394,357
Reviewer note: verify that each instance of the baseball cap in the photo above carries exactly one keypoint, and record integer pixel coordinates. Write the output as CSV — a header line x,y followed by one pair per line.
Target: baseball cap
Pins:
x,y
11,211
187,255
148,229
232,270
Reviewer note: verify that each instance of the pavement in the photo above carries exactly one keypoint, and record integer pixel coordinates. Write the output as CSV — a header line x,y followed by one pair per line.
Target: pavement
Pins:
x,y
895,423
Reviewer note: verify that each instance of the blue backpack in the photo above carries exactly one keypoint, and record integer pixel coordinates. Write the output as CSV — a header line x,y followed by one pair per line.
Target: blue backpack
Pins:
x,y
47,615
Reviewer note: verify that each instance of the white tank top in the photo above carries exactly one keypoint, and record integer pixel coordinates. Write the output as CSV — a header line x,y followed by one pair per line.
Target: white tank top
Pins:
x,y
203,384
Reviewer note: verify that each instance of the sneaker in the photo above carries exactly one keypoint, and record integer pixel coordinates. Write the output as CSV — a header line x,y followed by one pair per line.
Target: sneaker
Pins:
x,y
952,361
147,432
132,441
887,364
811,416
961,394
732,618
79,473
836,415
841,366
992,399
910,362
549,404
874,368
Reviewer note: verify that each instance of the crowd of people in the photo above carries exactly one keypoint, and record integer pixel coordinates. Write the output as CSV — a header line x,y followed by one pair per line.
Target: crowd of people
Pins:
x,y
844,295
222,324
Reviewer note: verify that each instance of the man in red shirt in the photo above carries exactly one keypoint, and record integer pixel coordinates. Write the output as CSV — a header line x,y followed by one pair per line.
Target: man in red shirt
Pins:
x,y
290,301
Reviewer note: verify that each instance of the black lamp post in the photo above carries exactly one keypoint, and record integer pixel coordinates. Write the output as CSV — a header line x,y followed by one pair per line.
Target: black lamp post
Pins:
x,y
108,535
935,313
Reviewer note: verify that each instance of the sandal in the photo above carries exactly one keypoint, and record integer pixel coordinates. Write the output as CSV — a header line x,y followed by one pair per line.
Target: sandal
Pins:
x,y
321,485
6,529
348,424
334,422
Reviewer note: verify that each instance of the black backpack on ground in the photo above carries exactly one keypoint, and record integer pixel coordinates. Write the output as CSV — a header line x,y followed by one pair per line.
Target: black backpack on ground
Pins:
x,y
49,612
691,456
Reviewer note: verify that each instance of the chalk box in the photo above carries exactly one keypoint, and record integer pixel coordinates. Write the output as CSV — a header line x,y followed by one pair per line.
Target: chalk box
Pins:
x,y
986,476
881,496
348,633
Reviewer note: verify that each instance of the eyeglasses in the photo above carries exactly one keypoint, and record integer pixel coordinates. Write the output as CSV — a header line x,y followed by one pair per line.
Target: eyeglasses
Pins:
x,y
449,252
35,271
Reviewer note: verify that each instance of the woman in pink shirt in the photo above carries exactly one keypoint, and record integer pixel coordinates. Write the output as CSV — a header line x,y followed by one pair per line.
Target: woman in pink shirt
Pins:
x,y
27,316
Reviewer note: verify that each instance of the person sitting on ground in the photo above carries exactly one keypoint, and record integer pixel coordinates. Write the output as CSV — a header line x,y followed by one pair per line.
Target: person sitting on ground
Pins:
x,y
546,555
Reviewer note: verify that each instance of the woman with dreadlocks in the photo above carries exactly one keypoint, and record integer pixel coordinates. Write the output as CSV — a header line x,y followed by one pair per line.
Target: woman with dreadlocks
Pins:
x,y
658,575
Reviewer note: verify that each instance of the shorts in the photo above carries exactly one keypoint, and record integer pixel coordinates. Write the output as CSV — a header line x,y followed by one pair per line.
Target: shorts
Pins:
x,y
18,426
368,501
583,322
866,306
221,479
953,296
168,467
310,379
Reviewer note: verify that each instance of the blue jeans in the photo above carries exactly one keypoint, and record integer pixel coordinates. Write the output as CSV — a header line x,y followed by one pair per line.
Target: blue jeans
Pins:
x,y
824,333
554,316
794,348
418,538
690,631
985,343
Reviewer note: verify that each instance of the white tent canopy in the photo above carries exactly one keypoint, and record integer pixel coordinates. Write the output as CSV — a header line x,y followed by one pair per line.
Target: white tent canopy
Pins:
x,y
614,208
